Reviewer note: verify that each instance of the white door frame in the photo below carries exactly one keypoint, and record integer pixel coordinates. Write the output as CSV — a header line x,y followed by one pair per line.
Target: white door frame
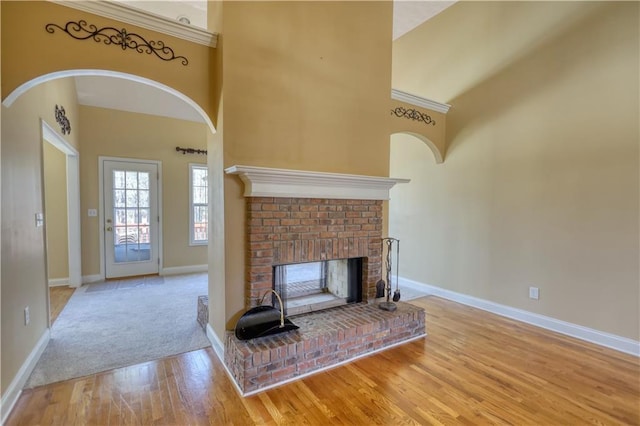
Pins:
x,y
101,214
49,135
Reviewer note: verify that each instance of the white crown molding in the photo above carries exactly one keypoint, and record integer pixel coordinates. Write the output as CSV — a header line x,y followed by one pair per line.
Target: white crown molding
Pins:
x,y
399,95
144,19
267,182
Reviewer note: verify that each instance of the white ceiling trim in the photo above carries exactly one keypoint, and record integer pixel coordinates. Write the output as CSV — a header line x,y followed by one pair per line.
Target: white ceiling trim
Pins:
x,y
401,96
267,182
144,19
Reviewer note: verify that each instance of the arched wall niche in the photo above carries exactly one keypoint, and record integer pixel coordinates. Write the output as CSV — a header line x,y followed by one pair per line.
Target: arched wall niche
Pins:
x,y
427,125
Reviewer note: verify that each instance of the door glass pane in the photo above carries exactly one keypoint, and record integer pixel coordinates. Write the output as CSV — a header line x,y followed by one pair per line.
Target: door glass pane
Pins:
x,y
143,198
132,180
144,216
132,198
131,217
144,235
143,180
119,198
120,235
120,217
118,180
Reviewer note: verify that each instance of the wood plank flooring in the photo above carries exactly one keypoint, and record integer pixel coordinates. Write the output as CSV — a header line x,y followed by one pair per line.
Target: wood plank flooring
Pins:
x,y
472,368
58,298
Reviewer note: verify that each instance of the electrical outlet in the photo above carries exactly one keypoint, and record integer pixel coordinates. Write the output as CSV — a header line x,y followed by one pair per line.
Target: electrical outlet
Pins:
x,y
27,317
534,293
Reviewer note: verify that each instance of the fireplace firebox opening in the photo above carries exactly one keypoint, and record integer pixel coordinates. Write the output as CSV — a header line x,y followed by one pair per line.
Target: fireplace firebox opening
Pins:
x,y
313,286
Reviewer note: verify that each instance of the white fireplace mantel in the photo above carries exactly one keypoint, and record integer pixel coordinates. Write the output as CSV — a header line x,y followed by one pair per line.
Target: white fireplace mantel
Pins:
x,y
267,182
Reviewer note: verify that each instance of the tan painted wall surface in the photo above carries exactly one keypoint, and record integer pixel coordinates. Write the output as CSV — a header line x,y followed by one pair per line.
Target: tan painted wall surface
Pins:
x,y
111,133
306,86
55,205
1,385
540,186
39,52
23,245
216,252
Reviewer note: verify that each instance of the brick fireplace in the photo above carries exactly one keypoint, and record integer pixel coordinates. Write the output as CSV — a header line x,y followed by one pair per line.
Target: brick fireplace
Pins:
x,y
297,230
296,217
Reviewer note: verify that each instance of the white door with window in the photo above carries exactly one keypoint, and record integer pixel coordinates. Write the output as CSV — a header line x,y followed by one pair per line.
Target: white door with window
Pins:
x,y
131,220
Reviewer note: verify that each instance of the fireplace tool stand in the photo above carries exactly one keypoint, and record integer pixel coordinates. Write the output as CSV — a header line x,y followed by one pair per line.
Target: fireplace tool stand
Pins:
x,y
388,305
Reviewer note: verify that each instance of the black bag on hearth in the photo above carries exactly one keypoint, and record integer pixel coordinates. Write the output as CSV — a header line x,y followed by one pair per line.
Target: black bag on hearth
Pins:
x,y
263,321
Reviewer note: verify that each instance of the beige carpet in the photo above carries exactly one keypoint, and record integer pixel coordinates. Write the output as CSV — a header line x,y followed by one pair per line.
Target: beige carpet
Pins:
x,y
120,323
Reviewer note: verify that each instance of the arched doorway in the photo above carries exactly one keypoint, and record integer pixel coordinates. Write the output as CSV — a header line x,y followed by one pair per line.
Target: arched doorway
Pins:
x,y
19,151
162,100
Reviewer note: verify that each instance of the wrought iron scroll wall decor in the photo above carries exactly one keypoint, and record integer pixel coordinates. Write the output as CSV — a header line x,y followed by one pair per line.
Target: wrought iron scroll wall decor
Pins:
x,y
191,151
62,120
80,30
413,114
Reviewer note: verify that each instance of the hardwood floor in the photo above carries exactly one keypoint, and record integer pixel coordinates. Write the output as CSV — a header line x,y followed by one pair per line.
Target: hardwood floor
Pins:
x,y
472,368
58,298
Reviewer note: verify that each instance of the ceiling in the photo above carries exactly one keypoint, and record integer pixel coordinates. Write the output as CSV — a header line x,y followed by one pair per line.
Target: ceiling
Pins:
x,y
407,14
132,96
125,95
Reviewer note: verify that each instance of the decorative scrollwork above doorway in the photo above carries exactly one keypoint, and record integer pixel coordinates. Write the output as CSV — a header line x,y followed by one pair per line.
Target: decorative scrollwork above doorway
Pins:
x,y
413,114
81,30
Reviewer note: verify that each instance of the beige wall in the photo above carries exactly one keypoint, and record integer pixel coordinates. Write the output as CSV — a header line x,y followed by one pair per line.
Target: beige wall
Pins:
x,y
215,161
55,205
111,133
23,245
1,385
540,185
306,86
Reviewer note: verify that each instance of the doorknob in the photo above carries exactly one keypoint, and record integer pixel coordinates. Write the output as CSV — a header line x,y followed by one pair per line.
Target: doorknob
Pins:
x,y
109,228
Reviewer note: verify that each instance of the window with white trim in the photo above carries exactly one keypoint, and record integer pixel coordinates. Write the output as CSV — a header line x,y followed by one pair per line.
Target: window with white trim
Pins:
x,y
198,204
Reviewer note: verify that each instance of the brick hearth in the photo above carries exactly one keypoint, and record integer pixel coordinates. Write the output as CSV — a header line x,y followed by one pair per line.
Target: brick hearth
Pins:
x,y
325,338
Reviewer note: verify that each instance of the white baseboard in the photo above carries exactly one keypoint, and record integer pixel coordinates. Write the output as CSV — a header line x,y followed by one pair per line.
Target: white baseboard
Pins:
x,y
218,348
176,270
91,278
601,338
11,395
216,343
58,282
